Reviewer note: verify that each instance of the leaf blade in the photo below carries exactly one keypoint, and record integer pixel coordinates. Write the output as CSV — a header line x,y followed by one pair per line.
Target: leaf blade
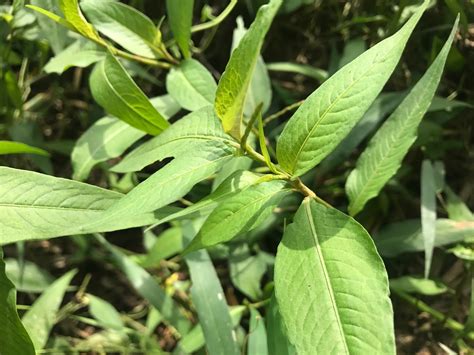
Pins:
x,y
180,15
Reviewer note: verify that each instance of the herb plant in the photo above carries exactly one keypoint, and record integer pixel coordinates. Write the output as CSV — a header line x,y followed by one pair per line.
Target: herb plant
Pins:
x,y
331,290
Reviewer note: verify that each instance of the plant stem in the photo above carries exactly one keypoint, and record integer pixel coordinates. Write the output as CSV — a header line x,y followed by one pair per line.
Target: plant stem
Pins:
x,y
216,21
282,112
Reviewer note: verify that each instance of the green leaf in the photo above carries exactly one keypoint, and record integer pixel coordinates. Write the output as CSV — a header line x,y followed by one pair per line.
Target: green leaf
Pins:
x,y
406,236
167,244
51,15
42,316
106,314
180,16
81,53
246,271
240,213
14,339
260,89
199,127
428,211
114,89
9,147
422,286
331,285
386,150
329,113
148,288
74,16
306,70
209,300
456,208
257,334
234,84
191,85
109,137
277,339
56,34
173,181
27,276
123,24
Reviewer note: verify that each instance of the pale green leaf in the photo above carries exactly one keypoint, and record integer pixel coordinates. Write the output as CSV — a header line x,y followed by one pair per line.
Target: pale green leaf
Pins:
x,y
240,213
277,339
209,299
456,208
198,127
191,85
246,271
422,286
41,317
106,314
81,53
114,89
109,137
148,288
234,84
27,276
260,88
51,15
14,339
331,285
123,24
74,16
386,150
306,70
329,114
180,17
9,147
167,244
428,211
406,236
257,343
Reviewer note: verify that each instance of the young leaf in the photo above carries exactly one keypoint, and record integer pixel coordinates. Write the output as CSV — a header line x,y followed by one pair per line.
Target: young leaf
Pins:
x,y
41,317
384,154
209,300
123,24
198,127
114,89
9,147
52,16
81,53
109,137
406,236
234,84
14,339
428,211
302,69
329,114
74,16
240,213
260,88
456,208
106,314
27,276
277,339
327,269
180,16
148,288
422,286
257,334
191,85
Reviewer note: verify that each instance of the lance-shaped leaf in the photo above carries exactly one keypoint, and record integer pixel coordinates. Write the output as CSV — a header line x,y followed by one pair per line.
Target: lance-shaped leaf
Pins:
x,y
109,137
428,211
41,317
240,213
72,13
234,84
198,127
191,85
331,285
114,89
257,334
173,181
384,154
209,300
123,24
329,113
9,147
14,339
180,16
277,339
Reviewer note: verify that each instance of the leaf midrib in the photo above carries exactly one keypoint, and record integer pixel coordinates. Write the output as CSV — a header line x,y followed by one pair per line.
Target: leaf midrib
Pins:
x,y
327,280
